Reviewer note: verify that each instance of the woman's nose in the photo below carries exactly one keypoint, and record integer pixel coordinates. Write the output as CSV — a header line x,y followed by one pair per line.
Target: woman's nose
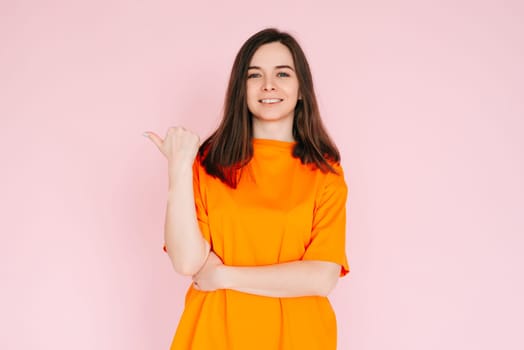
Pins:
x,y
268,85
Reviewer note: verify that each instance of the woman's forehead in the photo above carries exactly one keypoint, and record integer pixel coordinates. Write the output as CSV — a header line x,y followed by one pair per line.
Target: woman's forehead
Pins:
x,y
272,55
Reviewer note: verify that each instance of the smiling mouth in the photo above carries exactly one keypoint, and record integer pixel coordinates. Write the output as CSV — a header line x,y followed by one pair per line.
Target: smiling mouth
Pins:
x,y
270,100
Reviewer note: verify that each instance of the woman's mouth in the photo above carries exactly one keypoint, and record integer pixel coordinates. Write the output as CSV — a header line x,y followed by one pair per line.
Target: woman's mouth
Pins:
x,y
270,100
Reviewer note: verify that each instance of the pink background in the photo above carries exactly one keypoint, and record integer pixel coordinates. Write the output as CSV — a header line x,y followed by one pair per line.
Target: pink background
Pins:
x,y
424,98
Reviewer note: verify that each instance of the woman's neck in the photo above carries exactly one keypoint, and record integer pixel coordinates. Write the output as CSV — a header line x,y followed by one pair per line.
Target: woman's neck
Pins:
x,y
273,130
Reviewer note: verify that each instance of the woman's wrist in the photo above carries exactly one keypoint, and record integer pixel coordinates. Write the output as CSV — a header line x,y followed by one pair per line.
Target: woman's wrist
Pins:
x,y
180,176
225,276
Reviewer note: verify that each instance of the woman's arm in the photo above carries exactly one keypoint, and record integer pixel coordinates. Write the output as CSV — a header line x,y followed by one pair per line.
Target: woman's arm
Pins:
x,y
291,279
186,247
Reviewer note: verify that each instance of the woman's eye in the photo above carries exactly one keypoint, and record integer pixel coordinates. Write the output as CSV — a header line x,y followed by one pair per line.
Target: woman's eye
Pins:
x,y
282,74
253,75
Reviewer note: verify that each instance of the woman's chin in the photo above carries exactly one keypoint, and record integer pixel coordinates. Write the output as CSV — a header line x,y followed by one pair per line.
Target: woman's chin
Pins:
x,y
272,117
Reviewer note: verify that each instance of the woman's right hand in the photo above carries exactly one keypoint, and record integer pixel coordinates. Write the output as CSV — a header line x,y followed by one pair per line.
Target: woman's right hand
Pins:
x,y
180,146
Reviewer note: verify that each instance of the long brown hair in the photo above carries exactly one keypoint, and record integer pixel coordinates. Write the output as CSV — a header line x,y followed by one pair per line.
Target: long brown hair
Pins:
x,y
229,148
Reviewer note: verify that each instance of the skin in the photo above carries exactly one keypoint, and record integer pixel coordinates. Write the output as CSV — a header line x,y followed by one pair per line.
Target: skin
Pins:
x,y
186,247
271,76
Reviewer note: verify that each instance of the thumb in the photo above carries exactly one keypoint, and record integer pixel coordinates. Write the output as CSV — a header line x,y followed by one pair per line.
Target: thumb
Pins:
x,y
155,138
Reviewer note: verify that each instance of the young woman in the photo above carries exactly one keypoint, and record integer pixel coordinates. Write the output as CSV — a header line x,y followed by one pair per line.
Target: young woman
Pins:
x,y
266,243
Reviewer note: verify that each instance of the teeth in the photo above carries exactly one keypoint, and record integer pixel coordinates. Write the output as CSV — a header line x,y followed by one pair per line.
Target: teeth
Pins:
x,y
271,100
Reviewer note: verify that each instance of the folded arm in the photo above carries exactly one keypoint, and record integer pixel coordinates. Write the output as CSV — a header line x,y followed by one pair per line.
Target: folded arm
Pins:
x,y
291,279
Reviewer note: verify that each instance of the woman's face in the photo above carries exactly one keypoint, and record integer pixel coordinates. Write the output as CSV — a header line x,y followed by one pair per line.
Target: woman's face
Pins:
x,y
272,84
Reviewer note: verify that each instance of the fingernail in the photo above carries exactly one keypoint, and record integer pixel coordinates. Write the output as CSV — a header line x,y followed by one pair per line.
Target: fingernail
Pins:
x,y
145,134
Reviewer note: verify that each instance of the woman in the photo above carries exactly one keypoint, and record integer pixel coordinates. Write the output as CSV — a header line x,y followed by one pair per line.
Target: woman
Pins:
x,y
266,243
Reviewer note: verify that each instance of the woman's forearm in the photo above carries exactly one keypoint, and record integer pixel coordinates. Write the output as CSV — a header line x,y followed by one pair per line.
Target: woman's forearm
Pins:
x,y
292,279
185,245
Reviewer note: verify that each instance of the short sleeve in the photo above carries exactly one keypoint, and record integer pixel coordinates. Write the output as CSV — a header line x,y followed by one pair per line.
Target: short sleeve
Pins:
x,y
199,192
328,236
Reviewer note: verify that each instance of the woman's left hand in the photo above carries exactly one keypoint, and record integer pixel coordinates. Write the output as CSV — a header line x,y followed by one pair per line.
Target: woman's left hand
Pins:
x,y
208,279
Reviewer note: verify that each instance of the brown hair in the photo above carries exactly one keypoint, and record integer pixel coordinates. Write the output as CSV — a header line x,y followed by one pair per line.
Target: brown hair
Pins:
x,y
229,148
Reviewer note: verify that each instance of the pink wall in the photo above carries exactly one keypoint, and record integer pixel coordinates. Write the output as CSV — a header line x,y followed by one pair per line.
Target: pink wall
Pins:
x,y
424,98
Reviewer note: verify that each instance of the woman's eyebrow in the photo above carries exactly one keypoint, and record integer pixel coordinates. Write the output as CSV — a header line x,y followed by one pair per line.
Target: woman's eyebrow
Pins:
x,y
285,66
278,67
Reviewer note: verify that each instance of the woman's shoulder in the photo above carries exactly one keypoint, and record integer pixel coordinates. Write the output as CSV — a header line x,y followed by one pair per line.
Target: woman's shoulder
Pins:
x,y
330,168
335,176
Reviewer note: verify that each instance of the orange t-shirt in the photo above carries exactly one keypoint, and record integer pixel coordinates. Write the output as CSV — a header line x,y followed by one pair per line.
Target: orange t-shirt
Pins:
x,y
281,211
